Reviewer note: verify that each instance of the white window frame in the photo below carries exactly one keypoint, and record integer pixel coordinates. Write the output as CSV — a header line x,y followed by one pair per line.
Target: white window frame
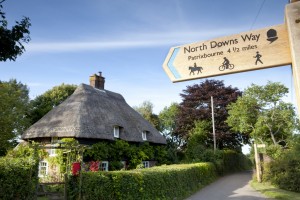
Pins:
x,y
144,135
104,166
116,131
54,143
146,164
43,167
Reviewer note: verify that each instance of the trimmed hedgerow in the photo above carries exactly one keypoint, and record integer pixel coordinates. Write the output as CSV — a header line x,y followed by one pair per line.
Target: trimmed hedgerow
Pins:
x,y
164,182
234,162
18,178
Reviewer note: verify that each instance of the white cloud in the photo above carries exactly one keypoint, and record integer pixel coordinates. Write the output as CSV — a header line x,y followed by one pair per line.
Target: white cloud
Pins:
x,y
140,40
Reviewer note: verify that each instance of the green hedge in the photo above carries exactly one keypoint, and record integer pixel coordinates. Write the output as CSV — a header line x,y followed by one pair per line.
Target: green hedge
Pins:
x,y
164,182
226,161
233,161
18,178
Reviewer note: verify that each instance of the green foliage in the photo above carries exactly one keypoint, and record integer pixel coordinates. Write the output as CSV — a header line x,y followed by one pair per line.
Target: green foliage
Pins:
x,y
65,157
11,39
18,178
274,151
234,161
198,150
174,181
167,119
99,151
14,102
284,171
146,110
226,161
167,126
262,114
26,150
197,142
42,104
120,150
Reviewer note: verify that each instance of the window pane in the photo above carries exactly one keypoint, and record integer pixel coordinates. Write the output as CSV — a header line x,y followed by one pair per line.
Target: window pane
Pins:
x,y
116,131
43,168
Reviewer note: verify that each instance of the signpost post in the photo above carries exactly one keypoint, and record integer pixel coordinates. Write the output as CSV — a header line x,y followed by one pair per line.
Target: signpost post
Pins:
x,y
292,16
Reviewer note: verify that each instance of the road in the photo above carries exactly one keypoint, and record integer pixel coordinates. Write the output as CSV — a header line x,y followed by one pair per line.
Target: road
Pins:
x,y
230,187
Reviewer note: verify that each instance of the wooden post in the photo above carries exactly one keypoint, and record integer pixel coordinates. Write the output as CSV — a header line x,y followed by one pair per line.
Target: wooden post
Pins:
x,y
213,123
257,163
65,189
292,16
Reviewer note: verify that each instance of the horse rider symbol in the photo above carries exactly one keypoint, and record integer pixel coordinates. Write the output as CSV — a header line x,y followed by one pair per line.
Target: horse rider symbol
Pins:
x,y
195,68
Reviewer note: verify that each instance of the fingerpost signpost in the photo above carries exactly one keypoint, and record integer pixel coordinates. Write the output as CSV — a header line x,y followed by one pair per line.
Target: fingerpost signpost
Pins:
x,y
254,50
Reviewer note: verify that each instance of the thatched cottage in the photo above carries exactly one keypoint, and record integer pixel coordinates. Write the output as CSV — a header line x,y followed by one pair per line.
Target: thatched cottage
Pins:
x,y
92,114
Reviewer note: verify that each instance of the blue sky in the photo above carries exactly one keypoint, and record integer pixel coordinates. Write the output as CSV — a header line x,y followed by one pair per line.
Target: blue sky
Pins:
x,y
128,41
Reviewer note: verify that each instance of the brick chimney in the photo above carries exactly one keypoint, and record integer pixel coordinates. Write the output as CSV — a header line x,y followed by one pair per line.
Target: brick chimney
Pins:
x,y
97,81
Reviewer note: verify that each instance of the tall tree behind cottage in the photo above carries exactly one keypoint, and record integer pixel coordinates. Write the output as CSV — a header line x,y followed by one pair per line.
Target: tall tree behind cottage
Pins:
x,y
14,103
196,106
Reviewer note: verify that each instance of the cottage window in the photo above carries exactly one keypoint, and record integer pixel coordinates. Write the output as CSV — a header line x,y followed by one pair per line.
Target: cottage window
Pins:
x,y
54,143
104,166
146,164
116,131
144,135
43,168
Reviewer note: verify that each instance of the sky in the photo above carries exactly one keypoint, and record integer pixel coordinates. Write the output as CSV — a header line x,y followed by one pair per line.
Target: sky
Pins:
x,y
128,41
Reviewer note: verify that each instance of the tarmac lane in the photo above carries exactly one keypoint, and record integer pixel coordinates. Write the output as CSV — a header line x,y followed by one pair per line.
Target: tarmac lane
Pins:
x,y
231,187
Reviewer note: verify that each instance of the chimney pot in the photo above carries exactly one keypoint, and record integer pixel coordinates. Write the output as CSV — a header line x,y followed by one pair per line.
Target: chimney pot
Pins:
x,y
97,81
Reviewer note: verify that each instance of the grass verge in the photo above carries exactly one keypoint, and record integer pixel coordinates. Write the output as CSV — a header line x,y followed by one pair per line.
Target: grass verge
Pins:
x,y
273,192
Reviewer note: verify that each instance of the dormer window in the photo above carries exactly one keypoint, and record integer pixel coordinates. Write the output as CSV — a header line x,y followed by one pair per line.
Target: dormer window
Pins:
x,y
144,135
116,131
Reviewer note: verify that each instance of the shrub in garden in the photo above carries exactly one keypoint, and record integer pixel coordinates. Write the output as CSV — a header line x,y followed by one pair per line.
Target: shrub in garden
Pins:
x,y
18,178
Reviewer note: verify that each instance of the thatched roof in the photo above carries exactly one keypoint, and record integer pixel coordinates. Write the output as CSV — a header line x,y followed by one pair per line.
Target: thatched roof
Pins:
x,y
90,113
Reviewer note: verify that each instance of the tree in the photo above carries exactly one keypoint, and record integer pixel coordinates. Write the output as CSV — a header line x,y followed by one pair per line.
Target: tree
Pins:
x,y
42,104
14,102
262,114
198,141
11,39
146,110
167,123
167,126
196,106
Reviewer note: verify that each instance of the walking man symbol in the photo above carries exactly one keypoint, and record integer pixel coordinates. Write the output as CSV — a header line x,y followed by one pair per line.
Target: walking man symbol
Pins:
x,y
258,56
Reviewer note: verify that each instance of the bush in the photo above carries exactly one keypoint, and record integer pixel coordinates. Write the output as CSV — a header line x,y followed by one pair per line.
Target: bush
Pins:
x,y
226,161
18,178
285,170
164,182
235,162
119,150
